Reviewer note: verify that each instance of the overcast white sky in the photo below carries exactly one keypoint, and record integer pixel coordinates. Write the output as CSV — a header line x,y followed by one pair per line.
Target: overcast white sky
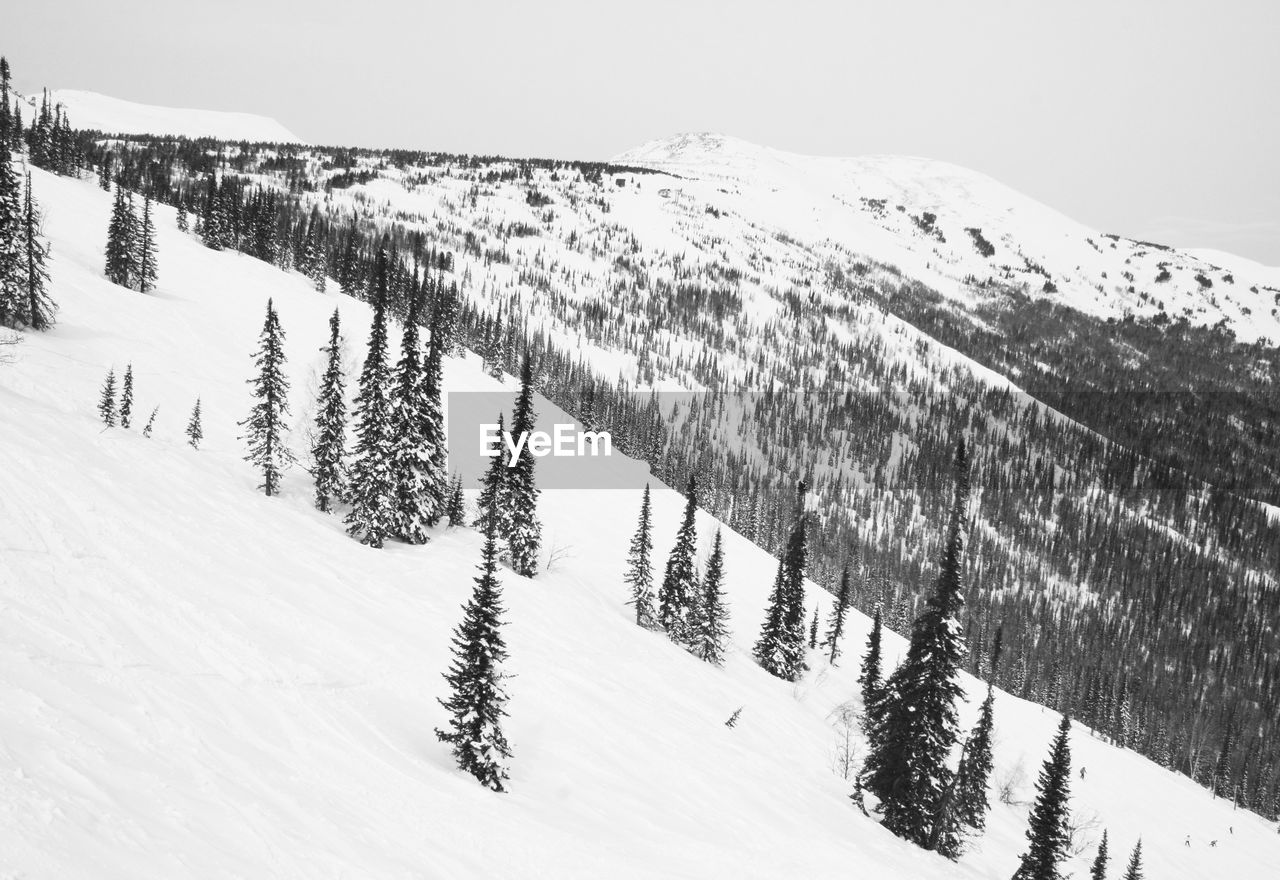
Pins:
x,y
1156,120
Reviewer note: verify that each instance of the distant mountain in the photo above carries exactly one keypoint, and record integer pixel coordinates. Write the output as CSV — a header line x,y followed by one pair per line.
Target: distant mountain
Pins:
x,y
90,110
956,229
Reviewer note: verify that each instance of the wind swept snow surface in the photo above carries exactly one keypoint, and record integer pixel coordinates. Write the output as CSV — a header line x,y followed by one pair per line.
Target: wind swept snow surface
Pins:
x,y
198,681
90,110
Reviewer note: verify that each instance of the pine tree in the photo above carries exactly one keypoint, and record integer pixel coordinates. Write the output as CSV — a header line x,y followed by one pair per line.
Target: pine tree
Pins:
x,y
373,488
975,769
329,448
475,680
416,456
709,629
195,433
37,307
11,304
151,422
121,250
457,507
183,224
1098,870
870,678
1047,831
835,629
639,575
780,648
6,117
107,400
1134,870
676,596
265,427
524,536
916,727
813,629
492,503
126,398
145,242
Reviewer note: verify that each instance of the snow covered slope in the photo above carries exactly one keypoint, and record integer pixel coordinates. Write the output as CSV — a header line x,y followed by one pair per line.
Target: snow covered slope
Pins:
x,y
197,681
952,227
90,110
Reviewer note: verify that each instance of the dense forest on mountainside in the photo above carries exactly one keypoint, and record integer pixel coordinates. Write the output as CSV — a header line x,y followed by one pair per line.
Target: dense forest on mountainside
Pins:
x,y
1134,572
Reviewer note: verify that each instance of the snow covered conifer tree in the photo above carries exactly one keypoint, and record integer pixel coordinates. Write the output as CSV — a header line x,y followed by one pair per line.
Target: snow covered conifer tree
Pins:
x,y
329,448
813,629
1134,870
676,595
145,242
11,306
372,486
492,502
107,400
120,267
915,726
411,456
151,422
36,307
524,536
780,648
639,575
265,426
475,679
835,629
126,398
195,432
1047,831
975,769
709,630
456,509
1098,870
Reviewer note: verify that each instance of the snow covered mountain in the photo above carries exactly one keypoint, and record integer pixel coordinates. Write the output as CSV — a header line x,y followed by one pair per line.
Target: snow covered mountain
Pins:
x,y
955,229
197,681
90,110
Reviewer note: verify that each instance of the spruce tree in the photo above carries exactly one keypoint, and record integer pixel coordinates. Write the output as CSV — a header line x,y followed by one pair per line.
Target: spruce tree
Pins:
x,y
1134,870
195,432
126,398
329,448
37,307
1047,832
835,628
870,678
709,629
411,461
639,575
971,803
477,700
120,268
1098,870
813,629
492,503
524,536
780,648
107,400
151,422
677,594
145,242
11,304
265,427
916,728
372,486
457,506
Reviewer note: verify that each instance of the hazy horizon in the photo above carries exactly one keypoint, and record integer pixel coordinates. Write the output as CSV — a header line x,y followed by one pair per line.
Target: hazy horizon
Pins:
x,y
1152,120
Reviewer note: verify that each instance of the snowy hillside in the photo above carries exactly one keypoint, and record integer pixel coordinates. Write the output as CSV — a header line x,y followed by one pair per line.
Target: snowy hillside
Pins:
x,y
90,110
197,681
951,227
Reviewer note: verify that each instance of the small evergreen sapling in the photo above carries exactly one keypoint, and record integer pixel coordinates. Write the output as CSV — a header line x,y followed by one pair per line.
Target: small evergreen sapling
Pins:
x,y
835,629
813,629
1134,870
477,699
126,398
1098,870
195,433
107,400
457,507
151,422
